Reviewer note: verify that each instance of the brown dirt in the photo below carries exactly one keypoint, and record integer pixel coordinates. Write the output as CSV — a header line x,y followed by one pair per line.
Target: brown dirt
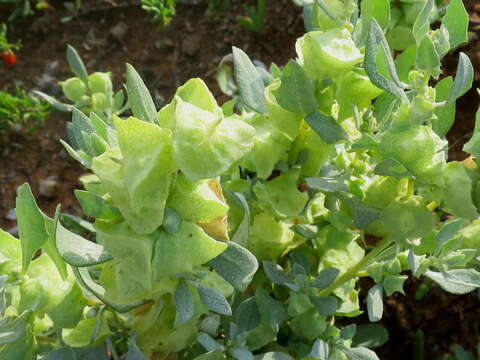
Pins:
x,y
192,46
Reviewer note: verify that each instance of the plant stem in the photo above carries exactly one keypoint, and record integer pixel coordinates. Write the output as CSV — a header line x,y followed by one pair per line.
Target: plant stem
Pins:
x,y
353,272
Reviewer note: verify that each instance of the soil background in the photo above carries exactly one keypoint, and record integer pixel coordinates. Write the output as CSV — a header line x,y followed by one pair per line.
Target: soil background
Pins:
x,y
110,33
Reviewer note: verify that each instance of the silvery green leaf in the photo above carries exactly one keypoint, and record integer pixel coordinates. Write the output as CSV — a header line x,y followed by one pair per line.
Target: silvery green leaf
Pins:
x,y
447,232
326,184
391,167
134,353
325,305
14,330
463,80
326,127
363,214
370,336
375,303
457,281
461,353
214,301
320,350
242,235
456,22
236,265
171,221
184,304
360,353
211,355
247,314
325,278
276,355
272,311
57,105
275,273
422,23
348,332
65,353
375,39
139,97
249,81
242,354
209,343
296,92
76,64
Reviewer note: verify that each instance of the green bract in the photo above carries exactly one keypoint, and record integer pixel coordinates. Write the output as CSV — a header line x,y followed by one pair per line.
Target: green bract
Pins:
x,y
240,231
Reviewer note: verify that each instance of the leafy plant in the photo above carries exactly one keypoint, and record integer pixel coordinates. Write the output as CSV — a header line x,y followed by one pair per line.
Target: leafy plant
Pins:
x,y
88,92
242,235
162,11
254,19
19,110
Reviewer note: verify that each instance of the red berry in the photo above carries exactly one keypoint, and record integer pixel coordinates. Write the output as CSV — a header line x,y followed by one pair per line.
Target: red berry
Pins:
x,y
9,58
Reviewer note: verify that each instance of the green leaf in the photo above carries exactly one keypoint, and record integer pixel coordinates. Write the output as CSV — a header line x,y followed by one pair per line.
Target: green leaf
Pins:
x,y
326,127
77,251
249,81
376,9
236,265
422,23
134,352
181,251
472,146
184,304
427,58
391,167
76,64
445,113
205,144
214,301
242,235
370,336
463,79
85,280
211,355
139,98
140,192
375,303
296,92
31,225
376,38
456,22
94,206
457,281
